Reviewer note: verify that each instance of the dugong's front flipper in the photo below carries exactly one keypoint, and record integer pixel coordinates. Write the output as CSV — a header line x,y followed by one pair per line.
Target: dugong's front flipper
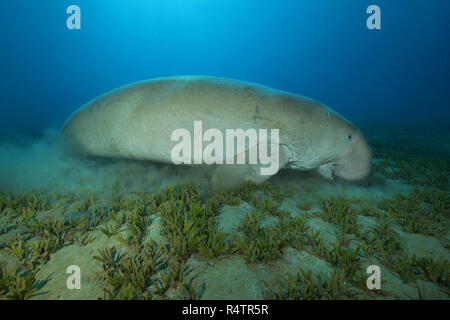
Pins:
x,y
327,171
228,176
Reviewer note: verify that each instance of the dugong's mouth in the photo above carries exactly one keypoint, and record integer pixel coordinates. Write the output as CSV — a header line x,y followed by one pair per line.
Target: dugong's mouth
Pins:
x,y
349,173
355,167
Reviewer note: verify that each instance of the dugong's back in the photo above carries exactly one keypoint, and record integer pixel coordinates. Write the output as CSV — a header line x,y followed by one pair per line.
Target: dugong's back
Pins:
x,y
137,121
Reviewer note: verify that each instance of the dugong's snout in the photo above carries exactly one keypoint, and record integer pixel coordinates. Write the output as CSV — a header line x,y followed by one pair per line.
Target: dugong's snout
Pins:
x,y
356,164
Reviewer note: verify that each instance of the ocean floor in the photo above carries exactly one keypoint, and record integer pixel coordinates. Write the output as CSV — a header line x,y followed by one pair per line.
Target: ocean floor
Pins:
x,y
146,231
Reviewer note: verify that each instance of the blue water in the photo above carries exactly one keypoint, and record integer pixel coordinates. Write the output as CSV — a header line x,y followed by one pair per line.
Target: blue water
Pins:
x,y
321,49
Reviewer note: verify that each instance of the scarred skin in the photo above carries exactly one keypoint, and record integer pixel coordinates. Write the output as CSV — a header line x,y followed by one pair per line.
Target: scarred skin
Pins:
x,y
136,122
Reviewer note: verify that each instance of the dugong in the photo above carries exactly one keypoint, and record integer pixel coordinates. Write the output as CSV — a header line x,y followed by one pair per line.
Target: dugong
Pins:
x,y
138,122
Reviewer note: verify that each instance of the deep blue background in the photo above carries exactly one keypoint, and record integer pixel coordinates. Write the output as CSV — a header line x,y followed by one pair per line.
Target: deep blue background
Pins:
x,y
321,49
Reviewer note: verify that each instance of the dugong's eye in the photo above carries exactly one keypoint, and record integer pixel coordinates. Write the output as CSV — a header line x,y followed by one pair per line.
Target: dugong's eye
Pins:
x,y
349,137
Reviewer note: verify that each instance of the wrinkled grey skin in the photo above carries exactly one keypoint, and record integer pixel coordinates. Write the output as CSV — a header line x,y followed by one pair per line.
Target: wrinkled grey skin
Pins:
x,y
136,122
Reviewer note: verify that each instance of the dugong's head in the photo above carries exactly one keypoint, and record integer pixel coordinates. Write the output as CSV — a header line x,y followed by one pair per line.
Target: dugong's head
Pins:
x,y
351,156
338,147
354,159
